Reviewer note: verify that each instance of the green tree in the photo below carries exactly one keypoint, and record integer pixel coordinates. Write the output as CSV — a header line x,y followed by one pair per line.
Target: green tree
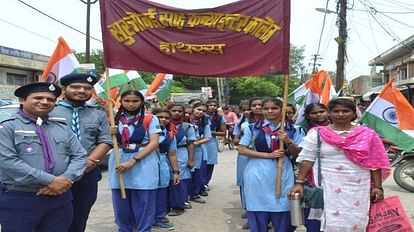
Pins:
x,y
96,57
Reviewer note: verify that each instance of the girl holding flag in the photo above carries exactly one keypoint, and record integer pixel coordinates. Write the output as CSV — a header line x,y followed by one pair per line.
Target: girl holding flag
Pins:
x,y
138,136
260,142
168,167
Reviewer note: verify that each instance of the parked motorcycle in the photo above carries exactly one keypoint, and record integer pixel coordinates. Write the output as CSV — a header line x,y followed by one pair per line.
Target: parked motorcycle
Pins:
x,y
404,167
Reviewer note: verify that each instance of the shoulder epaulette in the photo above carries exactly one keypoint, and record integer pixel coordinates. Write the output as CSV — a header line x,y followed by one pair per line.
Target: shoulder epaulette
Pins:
x,y
8,119
58,120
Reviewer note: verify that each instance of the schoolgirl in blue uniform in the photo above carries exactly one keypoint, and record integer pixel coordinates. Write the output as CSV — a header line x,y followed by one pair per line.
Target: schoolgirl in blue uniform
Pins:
x,y
203,135
138,135
260,142
168,167
185,136
251,113
218,128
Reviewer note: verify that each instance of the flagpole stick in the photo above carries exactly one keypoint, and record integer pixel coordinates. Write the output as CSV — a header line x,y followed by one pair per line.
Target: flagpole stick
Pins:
x,y
281,144
114,139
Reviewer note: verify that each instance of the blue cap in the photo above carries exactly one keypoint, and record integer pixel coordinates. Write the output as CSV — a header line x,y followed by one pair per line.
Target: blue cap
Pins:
x,y
78,78
25,90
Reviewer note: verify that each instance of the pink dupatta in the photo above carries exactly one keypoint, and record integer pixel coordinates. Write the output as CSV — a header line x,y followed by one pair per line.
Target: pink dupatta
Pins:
x,y
362,146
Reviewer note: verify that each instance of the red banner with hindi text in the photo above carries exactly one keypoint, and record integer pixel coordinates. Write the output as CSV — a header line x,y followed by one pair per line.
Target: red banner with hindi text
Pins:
x,y
244,38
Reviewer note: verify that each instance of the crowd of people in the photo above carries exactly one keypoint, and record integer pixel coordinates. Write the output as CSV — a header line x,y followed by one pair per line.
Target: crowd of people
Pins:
x,y
166,158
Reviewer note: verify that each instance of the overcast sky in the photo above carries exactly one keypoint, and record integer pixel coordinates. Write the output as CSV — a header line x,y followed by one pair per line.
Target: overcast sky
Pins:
x,y
23,28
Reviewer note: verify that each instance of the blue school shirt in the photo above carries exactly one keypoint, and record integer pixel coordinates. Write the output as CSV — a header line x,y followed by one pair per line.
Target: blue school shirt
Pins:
x,y
211,147
200,151
165,167
182,151
145,174
259,180
241,159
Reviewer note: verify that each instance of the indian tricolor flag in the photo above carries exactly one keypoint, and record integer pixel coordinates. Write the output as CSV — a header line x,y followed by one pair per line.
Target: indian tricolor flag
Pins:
x,y
61,63
391,116
317,89
120,78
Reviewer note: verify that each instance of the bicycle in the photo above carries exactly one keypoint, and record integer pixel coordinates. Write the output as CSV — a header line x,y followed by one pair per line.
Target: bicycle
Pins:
x,y
229,136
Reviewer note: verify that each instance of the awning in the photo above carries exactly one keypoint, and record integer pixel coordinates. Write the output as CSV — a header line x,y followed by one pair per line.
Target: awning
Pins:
x,y
377,90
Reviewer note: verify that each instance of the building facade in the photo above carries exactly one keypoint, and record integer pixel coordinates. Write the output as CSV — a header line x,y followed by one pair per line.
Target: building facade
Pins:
x,y
17,68
398,62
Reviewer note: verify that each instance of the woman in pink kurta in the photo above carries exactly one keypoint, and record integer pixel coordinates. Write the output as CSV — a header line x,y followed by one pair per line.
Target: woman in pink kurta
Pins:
x,y
353,165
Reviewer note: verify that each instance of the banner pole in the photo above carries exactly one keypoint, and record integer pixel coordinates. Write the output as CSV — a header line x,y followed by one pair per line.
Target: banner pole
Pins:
x,y
114,139
281,144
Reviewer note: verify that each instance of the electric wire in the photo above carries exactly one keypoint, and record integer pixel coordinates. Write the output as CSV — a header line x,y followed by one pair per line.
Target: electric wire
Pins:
x,y
359,36
323,27
57,20
27,30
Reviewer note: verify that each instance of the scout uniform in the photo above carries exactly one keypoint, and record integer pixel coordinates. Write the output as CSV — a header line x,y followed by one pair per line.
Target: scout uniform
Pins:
x,y
241,159
202,130
32,153
260,178
167,143
215,122
179,193
91,127
141,181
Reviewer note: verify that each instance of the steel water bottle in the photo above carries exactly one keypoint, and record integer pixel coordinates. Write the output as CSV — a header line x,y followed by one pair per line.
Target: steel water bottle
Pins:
x,y
296,211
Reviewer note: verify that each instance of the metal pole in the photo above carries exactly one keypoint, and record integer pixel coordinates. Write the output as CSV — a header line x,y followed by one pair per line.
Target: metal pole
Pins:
x,y
224,97
341,40
88,22
218,90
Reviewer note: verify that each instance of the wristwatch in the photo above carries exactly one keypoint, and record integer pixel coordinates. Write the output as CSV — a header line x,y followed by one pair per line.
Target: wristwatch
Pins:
x,y
176,172
136,159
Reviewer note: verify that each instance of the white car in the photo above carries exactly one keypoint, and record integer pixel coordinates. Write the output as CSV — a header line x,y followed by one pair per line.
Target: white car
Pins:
x,y
7,111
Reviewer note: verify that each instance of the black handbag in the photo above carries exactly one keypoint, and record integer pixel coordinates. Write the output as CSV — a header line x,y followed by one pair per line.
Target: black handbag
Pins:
x,y
313,196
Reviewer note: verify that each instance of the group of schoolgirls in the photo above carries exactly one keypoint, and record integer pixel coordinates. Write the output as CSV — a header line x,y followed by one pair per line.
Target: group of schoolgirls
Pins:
x,y
258,136
164,162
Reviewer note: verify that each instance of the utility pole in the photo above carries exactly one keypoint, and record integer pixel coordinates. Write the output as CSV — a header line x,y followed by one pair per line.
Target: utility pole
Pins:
x,y
341,40
205,82
219,92
315,59
88,22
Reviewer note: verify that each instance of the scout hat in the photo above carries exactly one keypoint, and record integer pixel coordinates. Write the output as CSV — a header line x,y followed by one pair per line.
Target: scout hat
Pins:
x,y
78,78
25,90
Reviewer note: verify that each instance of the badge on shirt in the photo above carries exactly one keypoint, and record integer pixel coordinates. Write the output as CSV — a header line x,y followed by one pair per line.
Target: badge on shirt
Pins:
x,y
158,126
29,149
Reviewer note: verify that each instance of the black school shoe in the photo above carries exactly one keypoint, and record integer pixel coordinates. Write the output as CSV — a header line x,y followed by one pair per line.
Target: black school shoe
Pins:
x,y
203,193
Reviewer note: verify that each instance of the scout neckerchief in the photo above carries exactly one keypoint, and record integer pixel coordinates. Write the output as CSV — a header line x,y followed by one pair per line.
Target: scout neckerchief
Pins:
x,y
125,131
214,121
173,130
198,122
273,137
177,122
75,116
49,160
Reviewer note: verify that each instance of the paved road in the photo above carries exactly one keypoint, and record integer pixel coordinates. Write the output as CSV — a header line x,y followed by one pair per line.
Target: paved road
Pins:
x,y
222,211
